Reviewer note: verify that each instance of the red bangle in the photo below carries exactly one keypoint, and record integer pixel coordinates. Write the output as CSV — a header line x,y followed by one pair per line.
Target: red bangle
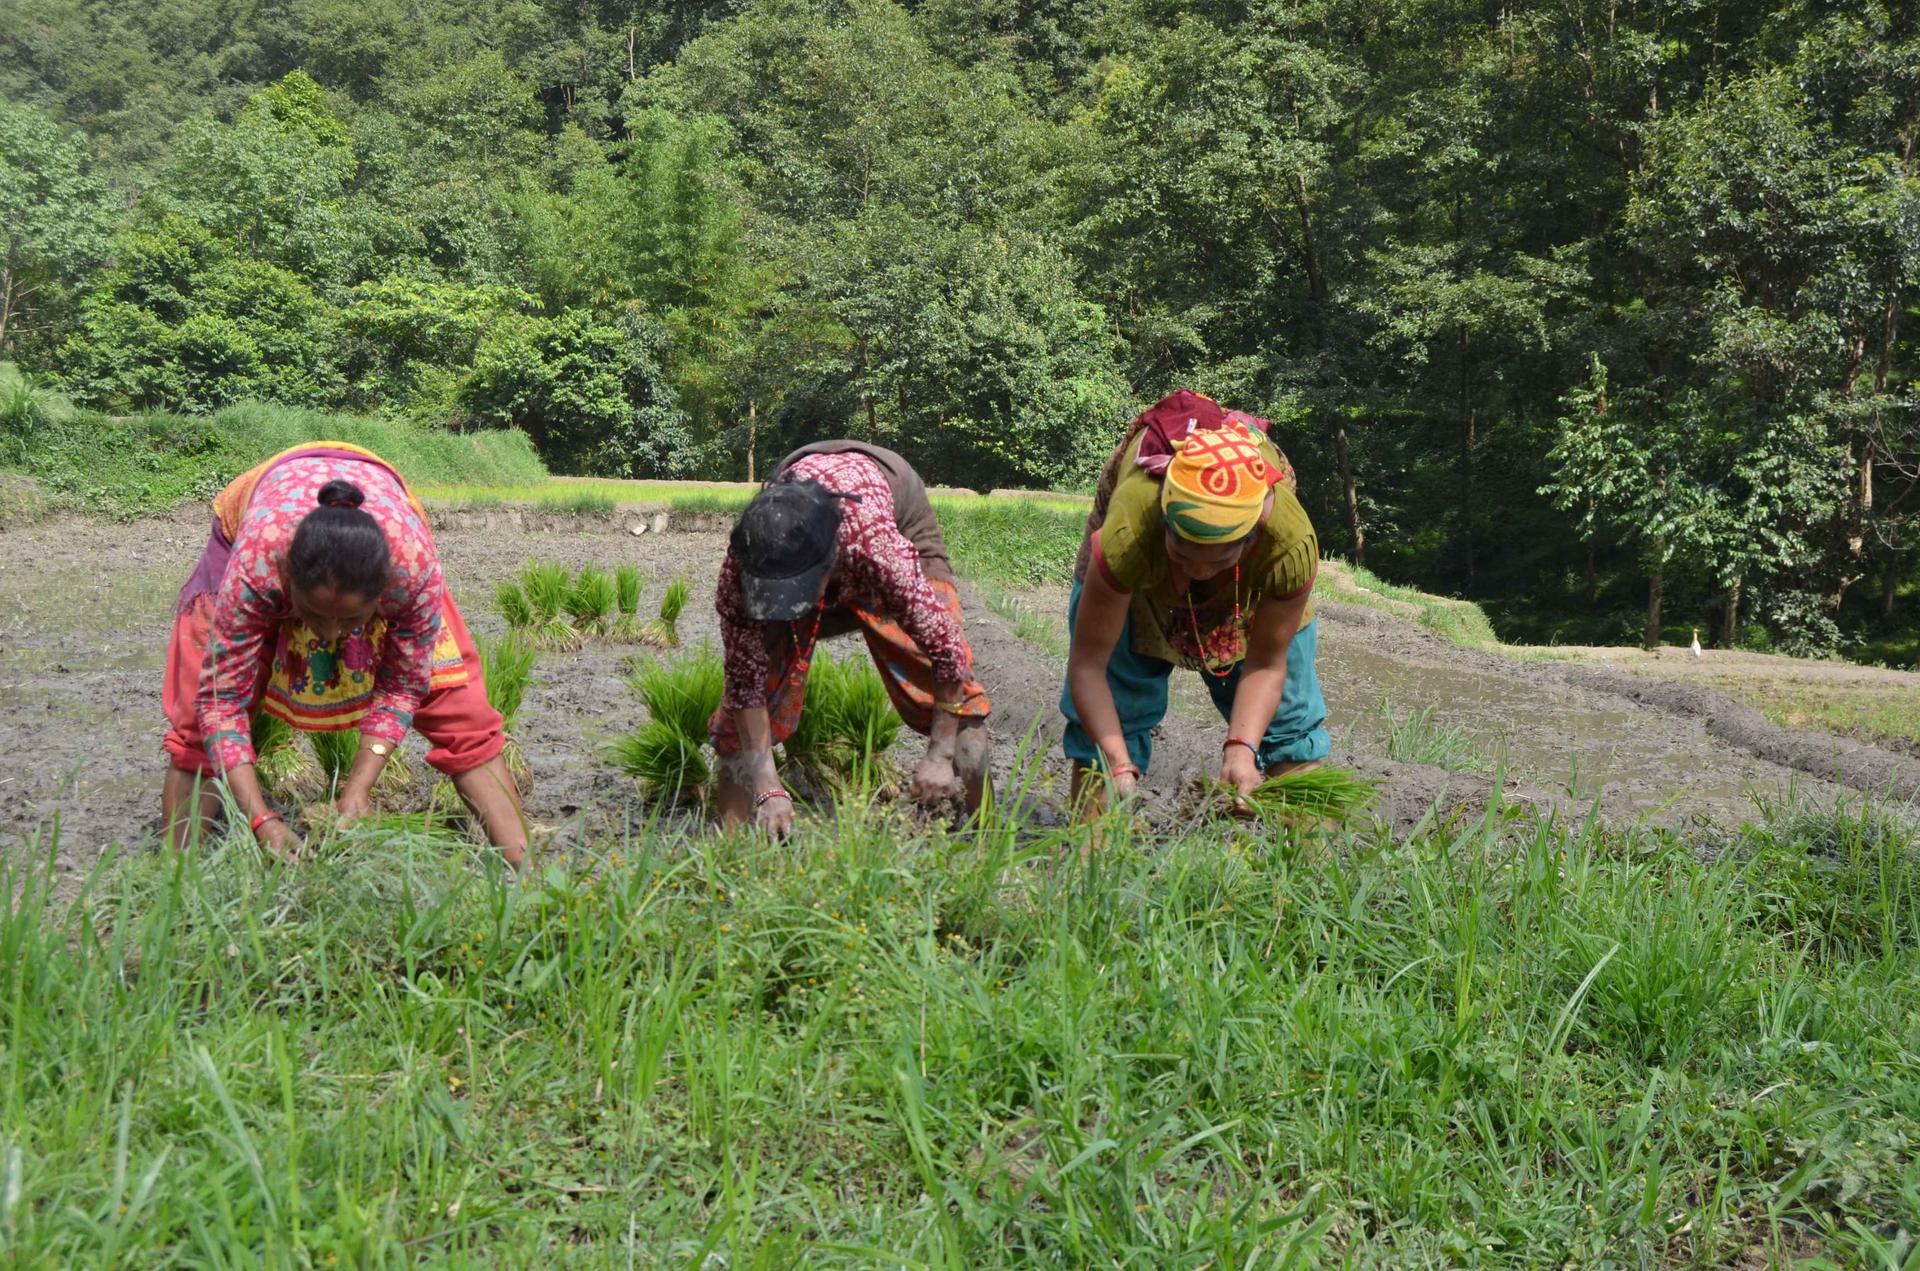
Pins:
x,y
266,816
1125,769
772,794
1241,741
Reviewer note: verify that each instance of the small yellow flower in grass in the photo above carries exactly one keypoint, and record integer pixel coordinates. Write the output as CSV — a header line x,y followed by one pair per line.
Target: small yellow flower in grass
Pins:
x,y
453,1083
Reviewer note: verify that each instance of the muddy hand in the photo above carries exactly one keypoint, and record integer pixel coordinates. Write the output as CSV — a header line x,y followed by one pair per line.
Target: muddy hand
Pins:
x,y
935,781
775,816
279,842
353,805
1240,772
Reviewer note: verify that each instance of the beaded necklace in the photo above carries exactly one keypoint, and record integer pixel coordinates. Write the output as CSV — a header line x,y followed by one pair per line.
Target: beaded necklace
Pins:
x,y
1193,619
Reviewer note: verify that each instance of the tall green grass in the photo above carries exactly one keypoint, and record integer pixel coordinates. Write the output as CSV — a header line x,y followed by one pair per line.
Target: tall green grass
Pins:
x,y
667,754
847,722
149,464
1504,1044
1415,736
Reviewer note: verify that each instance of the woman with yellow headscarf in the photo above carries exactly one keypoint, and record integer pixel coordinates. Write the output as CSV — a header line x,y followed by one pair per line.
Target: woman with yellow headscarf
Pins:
x,y
1197,554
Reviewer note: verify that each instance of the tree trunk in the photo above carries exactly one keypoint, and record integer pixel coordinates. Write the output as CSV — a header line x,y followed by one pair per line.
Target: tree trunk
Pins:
x,y
1352,496
753,435
1468,425
1656,584
1730,621
866,397
1890,580
1592,577
6,303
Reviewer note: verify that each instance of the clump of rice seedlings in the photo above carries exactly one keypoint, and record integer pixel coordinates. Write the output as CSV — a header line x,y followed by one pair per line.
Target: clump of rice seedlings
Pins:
x,y
662,760
514,606
847,721
1414,737
683,692
1315,794
286,771
549,588
335,751
627,585
665,630
590,601
667,754
507,664
863,714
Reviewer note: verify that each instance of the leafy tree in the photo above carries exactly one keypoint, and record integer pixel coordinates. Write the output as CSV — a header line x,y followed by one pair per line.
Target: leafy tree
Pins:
x,y
55,220
275,183
591,389
180,323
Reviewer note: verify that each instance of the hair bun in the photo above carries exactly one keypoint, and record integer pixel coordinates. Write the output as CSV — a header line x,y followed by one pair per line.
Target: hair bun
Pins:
x,y
341,494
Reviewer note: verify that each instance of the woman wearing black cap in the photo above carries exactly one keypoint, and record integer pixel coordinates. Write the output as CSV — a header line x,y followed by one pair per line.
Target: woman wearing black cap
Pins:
x,y
842,539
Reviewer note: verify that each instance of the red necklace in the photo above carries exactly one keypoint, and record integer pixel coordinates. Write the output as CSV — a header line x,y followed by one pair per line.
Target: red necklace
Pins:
x,y
1199,645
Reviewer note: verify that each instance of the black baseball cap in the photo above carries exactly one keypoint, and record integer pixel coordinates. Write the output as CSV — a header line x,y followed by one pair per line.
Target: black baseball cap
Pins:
x,y
783,544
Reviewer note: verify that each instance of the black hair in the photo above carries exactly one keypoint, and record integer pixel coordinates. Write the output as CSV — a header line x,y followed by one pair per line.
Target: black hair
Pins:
x,y
337,543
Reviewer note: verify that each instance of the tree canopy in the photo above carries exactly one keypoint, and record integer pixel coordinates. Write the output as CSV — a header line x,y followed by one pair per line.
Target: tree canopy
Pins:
x,y
1600,313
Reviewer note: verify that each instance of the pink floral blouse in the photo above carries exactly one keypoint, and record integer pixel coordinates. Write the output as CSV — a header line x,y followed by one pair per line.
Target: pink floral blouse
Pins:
x,y
250,607
876,565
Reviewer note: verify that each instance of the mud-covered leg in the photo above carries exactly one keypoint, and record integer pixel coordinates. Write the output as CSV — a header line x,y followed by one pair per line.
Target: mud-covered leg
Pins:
x,y
188,804
490,792
970,755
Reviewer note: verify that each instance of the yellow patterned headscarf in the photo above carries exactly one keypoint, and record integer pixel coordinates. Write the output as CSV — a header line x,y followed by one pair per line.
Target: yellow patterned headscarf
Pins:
x,y
1216,486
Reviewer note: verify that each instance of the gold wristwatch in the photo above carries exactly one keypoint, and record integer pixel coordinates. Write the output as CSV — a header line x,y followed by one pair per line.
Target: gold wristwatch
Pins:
x,y
380,748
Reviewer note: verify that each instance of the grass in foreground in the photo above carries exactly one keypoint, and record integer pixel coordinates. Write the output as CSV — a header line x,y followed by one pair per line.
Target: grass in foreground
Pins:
x,y
1500,1045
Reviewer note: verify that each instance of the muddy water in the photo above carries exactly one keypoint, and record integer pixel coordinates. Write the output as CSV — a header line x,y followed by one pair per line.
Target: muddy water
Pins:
x,y
1549,735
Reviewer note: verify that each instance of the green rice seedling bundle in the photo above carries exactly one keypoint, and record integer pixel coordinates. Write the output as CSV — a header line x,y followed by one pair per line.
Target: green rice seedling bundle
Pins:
x,y
286,771
847,721
682,693
514,606
865,716
335,751
663,760
665,630
590,601
549,587
508,666
812,737
667,753
1316,794
628,582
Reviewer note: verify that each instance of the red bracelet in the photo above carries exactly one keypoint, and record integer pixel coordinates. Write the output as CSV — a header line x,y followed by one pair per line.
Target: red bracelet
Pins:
x,y
264,817
1125,769
772,794
1241,741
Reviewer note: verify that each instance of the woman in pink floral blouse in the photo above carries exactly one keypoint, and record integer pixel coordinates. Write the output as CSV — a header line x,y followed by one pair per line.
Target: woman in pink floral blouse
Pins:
x,y
319,600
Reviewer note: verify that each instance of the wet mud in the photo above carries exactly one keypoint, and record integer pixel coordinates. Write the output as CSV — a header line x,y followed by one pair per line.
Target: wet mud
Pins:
x,y
85,610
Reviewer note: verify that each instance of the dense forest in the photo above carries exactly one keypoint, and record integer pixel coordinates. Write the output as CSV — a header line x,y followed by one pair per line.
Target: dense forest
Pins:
x,y
1597,311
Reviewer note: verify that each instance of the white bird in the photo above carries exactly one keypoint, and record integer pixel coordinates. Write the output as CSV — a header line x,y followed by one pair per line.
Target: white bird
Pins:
x,y
1696,643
